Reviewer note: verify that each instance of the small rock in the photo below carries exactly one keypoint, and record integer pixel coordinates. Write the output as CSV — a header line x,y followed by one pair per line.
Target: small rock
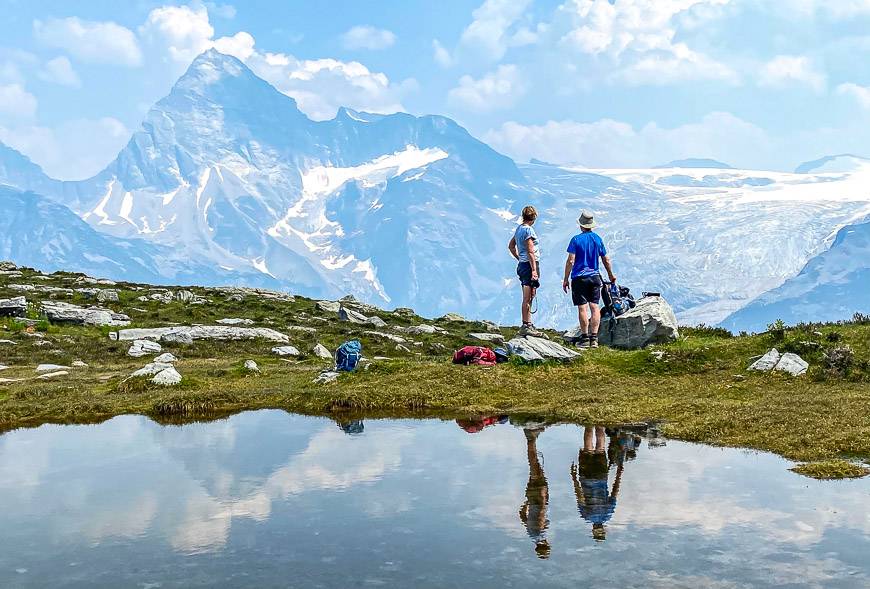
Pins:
x,y
376,321
7,266
349,315
286,351
424,329
52,375
792,363
14,307
235,321
766,362
79,364
144,347
491,327
301,328
164,297
658,354
328,306
7,342
50,367
401,348
251,366
167,377
151,369
165,358
3,367
326,377
387,336
404,312
185,296
321,351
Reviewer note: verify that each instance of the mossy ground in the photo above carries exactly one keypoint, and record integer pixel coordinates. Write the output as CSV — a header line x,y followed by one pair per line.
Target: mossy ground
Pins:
x,y
698,386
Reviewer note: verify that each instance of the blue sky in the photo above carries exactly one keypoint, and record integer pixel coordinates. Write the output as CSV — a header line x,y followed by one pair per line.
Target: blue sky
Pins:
x,y
602,83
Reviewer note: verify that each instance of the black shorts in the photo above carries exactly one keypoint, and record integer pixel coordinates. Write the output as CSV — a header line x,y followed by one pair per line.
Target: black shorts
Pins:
x,y
524,271
586,289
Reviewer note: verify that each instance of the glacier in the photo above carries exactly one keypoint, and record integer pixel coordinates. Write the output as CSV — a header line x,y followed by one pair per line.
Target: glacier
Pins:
x,y
227,182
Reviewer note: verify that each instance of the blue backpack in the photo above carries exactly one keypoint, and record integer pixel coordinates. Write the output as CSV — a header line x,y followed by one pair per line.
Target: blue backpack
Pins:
x,y
348,355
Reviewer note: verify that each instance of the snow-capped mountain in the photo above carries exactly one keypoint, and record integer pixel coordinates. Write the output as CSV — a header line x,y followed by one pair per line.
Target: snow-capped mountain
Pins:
x,y
228,182
845,162
832,286
697,162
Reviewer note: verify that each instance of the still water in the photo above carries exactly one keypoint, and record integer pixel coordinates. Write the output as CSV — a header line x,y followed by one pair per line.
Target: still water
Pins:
x,y
269,499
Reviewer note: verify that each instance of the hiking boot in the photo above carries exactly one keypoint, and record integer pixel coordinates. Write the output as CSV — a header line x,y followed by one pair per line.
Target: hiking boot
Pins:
x,y
593,341
528,329
583,342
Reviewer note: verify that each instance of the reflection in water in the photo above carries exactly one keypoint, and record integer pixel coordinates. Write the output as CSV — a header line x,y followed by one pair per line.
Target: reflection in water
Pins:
x,y
270,499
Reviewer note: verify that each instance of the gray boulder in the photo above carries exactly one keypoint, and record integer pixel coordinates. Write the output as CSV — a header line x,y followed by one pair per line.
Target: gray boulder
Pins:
x,y
376,321
144,347
424,329
387,336
326,377
239,293
652,321
7,266
287,351
537,349
352,316
167,377
235,321
793,364
14,307
59,312
251,367
452,317
321,351
107,296
491,327
767,362
151,369
166,358
328,306
50,367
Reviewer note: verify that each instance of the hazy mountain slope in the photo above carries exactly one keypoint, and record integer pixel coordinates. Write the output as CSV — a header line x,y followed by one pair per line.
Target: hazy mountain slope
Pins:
x,y
845,162
833,285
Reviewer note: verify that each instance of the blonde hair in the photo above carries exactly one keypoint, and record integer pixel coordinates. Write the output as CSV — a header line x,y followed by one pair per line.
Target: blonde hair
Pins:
x,y
529,214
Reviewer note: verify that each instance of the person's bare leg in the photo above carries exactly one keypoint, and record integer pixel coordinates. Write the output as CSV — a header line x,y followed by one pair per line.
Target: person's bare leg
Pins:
x,y
600,438
583,316
588,439
595,321
527,304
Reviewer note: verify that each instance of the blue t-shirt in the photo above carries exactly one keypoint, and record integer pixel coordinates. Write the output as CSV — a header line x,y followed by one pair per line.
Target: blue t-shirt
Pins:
x,y
522,235
588,248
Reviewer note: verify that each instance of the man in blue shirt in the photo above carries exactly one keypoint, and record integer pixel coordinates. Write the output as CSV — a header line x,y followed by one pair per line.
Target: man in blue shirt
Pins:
x,y
583,277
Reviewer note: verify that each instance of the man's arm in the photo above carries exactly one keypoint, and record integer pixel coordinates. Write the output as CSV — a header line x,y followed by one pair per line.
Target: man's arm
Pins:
x,y
609,267
569,263
512,248
533,258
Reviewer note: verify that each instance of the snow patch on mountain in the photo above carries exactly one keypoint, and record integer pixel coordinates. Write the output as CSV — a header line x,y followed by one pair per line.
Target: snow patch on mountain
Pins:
x,y
843,163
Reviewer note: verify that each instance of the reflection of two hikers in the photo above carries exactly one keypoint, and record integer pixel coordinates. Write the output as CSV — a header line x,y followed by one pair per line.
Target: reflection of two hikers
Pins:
x,y
351,427
596,498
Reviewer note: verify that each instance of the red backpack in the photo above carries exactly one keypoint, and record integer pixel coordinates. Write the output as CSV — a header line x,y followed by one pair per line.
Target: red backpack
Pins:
x,y
477,355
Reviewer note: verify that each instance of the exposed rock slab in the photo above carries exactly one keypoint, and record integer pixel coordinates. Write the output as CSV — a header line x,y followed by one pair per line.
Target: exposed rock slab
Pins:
x,y
286,351
352,316
321,351
767,362
58,312
151,369
235,321
793,364
326,377
387,336
251,366
537,349
14,307
167,377
144,347
652,321
166,358
50,368
495,338
188,334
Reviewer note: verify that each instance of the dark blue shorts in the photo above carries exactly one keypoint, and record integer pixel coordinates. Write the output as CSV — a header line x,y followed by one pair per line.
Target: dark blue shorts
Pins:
x,y
524,271
586,289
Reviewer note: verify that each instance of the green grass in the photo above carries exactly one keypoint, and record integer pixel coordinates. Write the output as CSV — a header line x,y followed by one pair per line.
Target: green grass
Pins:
x,y
698,386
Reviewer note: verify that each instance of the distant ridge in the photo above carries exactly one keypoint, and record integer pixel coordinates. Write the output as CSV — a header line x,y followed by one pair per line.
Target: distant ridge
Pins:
x,y
696,162
844,162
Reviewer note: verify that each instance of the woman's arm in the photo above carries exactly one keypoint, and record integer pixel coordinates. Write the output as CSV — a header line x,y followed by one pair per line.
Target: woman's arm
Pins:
x,y
533,258
512,248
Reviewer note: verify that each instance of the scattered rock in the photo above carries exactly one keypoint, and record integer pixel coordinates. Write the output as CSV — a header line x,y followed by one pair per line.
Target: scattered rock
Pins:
x,y
167,377
58,312
79,364
14,307
144,347
286,351
658,354
151,369
766,362
52,375
239,293
423,329
7,342
165,358
652,321
326,377
387,336
405,312
321,351
532,349
3,367
188,334
7,266
793,364
235,321
301,328
251,366
491,327
401,348
495,338
50,368
185,296
107,296
376,321
453,317
163,296
89,280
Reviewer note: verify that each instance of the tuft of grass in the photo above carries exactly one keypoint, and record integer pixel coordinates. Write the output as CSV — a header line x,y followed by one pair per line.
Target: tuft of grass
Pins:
x,y
831,469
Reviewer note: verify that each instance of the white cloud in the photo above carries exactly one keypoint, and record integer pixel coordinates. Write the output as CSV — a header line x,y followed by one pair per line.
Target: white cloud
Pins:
x,y
240,45
75,149
90,41
498,89
785,70
183,31
493,28
16,103
859,93
368,37
60,71
607,143
679,63
440,54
